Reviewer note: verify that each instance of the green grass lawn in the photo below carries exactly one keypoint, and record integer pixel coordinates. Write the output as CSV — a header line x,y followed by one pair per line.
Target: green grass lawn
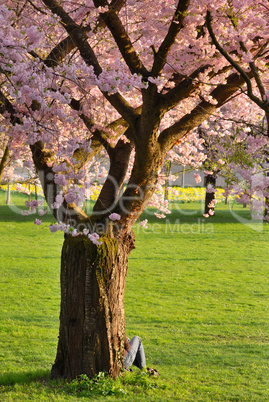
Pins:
x,y
196,293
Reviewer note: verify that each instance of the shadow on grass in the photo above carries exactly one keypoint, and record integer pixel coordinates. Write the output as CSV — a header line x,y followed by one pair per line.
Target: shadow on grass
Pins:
x,y
13,213
7,214
23,378
181,212
191,216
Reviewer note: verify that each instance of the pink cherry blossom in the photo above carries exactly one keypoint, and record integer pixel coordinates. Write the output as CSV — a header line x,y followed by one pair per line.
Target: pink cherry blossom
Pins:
x,y
144,223
38,222
75,233
41,212
58,201
94,237
54,228
197,178
29,79
160,216
114,216
210,189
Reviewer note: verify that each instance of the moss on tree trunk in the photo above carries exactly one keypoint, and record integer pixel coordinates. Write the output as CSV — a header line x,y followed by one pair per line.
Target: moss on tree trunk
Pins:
x,y
92,321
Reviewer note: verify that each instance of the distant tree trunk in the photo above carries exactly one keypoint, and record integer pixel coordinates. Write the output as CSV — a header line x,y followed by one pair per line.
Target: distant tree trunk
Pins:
x,y
8,195
183,177
92,322
266,209
167,170
30,194
4,162
209,196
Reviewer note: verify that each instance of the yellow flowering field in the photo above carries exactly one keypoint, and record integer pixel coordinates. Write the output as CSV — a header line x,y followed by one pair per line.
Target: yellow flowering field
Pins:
x,y
189,194
177,194
26,188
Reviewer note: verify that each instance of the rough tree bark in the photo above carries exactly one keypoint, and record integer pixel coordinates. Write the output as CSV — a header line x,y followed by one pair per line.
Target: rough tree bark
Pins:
x,y
92,319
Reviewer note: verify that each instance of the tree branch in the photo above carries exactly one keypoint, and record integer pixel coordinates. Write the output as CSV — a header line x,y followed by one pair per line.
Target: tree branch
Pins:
x,y
80,39
6,106
182,90
175,27
63,48
122,40
252,63
75,104
170,136
99,137
59,52
119,160
76,34
233,63
41,156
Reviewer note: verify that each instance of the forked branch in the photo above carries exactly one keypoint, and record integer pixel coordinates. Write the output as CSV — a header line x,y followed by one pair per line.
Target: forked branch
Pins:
x,y
174,29
240,70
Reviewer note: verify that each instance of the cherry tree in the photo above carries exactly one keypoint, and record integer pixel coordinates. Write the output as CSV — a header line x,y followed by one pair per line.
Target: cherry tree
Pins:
x,y
246,59
236,149
124,78
16,171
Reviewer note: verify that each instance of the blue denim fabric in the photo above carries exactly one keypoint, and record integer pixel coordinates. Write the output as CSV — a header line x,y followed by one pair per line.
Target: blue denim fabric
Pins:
x,y
135,355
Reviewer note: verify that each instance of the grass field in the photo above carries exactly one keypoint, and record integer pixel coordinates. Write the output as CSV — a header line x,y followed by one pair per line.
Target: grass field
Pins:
x,y
197,294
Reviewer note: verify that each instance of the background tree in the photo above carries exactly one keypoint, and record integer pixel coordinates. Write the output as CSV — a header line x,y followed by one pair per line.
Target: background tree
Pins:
x,y
4,155
251,62
129,78
236,147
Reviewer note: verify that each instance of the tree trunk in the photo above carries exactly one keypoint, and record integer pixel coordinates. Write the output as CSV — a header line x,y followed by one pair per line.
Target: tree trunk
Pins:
x,y
167,170
36,193
92,321
209,196
8,195
4,162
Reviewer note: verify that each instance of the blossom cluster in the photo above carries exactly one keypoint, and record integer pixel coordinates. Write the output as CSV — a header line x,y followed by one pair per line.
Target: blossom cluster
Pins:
x,y
71,103
67,229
